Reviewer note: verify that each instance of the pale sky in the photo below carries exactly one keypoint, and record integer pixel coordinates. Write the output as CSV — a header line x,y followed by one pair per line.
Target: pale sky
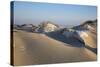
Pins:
x,y
62,14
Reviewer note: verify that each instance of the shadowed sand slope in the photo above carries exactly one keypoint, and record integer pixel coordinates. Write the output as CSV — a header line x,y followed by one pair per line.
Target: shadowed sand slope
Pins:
x,y
33,48
60,37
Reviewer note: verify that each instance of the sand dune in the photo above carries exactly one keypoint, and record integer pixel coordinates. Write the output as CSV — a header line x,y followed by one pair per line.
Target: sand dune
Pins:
x,y
90,40
34,48
90,28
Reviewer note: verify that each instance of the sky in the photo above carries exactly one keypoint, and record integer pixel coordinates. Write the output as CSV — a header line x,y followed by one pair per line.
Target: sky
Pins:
x,y
61,14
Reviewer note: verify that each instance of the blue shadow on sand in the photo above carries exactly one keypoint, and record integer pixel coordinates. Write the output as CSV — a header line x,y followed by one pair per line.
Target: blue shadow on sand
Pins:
x,y
60,37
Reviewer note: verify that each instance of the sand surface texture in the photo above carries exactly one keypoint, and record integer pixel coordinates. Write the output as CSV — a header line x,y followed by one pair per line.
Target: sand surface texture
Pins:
x,y
34,48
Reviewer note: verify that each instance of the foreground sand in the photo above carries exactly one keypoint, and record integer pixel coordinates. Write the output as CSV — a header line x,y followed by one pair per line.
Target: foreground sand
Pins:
x,y
32,48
